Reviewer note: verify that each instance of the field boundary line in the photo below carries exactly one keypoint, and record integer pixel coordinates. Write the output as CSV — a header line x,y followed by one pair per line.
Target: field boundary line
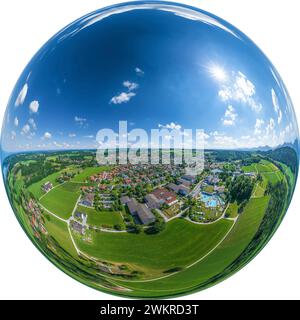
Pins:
x,y
53,214
51,190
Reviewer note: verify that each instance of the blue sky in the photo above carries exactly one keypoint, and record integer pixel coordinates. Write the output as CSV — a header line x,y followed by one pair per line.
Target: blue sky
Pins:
x,y
155,66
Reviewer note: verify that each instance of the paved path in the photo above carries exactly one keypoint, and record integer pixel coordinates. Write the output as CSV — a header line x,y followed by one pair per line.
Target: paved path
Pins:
x,y
53,214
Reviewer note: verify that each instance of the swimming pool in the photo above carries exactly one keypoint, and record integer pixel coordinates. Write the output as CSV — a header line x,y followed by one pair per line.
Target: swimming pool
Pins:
x,y
211,201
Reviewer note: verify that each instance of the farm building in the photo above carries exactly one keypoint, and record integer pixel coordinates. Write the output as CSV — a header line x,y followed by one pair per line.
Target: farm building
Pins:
x,y
47,186
76,226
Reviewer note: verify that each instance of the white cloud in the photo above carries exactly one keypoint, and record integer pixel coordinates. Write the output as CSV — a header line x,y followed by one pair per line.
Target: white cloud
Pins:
x,y
22,95
230,116
206,136
242,90
82,122
123,97
276,106
130,85
258,125
16,122
72,135
34,106
13,135
139,71
32,124
78,119
171,126
89,136
271,125
47,135
26,129
29,128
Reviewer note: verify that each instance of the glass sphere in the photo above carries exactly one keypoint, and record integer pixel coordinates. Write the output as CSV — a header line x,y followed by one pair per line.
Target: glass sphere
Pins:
x,y
149,149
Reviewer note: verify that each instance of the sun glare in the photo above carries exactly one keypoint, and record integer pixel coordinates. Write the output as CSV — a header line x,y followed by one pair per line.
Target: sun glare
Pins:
x,y
218,73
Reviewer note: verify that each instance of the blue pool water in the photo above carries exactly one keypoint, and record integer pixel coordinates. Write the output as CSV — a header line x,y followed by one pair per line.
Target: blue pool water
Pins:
x,y
210,201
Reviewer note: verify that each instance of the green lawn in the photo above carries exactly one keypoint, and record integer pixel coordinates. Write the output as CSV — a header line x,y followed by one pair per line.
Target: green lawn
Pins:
x,y
232,210
289,174
72,187
59,231
180,244
251,168
87,172
35,188
269,172
273,177
98,219
225,254
60,201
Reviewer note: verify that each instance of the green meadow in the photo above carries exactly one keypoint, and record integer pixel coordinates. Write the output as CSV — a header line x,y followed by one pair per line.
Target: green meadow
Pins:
x,y
100,218
224,254
179,245
61,202
87,172
59,231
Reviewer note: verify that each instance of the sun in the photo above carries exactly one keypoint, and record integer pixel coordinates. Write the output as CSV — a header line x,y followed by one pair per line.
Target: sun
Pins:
x,y
218,73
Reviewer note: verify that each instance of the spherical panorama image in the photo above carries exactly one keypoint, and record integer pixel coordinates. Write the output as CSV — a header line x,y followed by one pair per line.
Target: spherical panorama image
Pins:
x,y
149,149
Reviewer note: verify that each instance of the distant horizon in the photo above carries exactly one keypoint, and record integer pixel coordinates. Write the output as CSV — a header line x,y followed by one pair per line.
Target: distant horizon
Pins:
x,y
7,154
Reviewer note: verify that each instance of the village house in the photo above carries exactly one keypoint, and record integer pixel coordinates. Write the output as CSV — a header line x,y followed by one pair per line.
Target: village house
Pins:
x,y
180,189
87,200
184,182
78,227
166,196
47,186
189,178
212,180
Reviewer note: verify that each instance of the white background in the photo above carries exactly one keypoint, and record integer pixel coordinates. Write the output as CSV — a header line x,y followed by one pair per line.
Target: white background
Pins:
x,y
26,25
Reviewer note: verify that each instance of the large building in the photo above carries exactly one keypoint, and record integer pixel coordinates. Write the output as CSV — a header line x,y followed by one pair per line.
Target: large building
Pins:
x,y
165,196
180,189
139,210
153,202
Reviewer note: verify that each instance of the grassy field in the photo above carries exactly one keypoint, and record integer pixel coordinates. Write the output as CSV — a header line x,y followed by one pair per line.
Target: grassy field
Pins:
x,y
269,172
289,174
60,201
35,188
59,231
71,187
87,172
232,210
96,218
180,244
225,254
